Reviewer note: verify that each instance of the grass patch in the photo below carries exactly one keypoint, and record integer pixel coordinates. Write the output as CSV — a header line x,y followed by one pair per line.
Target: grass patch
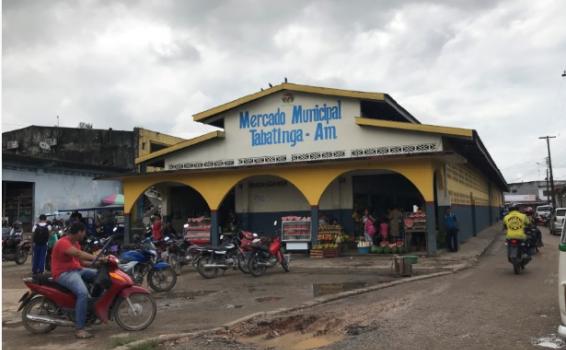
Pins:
x,y
151,345
119,341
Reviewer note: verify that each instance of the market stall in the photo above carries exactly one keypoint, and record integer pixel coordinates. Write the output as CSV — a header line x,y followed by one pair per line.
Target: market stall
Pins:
x,y
296,232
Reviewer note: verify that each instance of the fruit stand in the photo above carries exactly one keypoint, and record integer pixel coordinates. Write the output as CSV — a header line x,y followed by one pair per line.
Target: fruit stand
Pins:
x,y
329,237
296,232
415,224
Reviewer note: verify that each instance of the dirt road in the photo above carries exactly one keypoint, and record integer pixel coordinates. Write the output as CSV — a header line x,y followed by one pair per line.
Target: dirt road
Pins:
x,y
487,307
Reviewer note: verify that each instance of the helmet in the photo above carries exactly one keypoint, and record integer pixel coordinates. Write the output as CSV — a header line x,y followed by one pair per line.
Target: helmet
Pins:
x,y
529,211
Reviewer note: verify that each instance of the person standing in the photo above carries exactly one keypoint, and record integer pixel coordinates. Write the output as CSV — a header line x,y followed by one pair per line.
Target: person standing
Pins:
x,y
451,225
40,237
156,230
395,218
369,228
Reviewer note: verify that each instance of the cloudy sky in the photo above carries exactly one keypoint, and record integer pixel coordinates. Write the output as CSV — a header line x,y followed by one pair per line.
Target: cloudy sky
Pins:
x,y
494,66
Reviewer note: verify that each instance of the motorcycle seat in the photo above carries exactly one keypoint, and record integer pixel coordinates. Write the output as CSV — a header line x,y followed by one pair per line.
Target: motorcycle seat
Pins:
x,y
48,281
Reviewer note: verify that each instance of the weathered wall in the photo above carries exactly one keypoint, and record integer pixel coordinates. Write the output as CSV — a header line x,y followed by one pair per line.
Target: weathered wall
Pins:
x,y
56,190
104,148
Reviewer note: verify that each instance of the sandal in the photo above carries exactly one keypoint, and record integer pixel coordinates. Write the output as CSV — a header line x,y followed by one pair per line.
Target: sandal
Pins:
x,y
82,334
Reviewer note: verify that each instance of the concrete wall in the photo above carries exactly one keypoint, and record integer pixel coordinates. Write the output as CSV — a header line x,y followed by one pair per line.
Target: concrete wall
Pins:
x,y
56,190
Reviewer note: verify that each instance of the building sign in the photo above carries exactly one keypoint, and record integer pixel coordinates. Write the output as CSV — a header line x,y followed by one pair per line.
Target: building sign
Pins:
x,y
304,122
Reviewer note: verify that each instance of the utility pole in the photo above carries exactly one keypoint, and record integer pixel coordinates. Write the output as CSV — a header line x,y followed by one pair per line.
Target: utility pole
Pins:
x,y
547,138
547,187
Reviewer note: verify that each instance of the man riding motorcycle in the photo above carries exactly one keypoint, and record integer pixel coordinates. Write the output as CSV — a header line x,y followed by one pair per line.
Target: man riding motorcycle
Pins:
x,y
67,269
515,223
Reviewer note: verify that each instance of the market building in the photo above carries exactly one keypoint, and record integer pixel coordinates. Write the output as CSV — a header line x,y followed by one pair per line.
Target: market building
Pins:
x,y
308,155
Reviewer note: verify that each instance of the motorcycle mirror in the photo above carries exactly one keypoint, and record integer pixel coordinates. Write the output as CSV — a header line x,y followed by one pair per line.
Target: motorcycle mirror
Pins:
x,y
275,223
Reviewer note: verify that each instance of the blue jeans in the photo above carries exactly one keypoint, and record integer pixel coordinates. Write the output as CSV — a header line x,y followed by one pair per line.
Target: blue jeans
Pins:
x,y
38,258
74,280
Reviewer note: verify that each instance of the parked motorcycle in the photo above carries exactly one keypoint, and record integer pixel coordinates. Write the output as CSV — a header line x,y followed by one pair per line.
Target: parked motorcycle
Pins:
x,y
143,262
14,246
266,253
48,305
229,254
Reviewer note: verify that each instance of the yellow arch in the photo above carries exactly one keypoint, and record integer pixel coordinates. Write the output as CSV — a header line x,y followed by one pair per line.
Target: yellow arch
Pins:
x,y
311,180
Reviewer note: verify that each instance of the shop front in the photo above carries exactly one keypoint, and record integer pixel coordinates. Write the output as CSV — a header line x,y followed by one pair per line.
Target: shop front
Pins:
x,y
319,162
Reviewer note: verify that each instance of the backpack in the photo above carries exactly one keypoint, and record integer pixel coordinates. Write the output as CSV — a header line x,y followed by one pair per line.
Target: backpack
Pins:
x,y
41,235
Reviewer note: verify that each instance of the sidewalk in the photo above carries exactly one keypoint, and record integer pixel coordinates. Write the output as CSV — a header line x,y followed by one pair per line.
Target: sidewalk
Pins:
x,y
466,256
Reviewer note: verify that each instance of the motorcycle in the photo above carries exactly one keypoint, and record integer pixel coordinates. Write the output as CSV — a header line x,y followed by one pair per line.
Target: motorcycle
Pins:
x,y
143,262
48,305
14,247
266,253
230,254
519,253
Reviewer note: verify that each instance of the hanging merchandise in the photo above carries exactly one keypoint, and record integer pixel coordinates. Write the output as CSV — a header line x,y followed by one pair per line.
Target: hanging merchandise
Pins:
x,y
198,230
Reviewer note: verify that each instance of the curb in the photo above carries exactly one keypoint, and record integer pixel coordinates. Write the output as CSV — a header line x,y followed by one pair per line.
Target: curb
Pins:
x,y
314,302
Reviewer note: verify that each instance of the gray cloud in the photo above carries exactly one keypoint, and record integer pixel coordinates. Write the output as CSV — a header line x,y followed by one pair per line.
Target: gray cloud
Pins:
x,y
490,65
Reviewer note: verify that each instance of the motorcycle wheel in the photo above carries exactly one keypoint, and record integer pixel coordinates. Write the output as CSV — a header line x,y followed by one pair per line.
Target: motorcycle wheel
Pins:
x,y
255,268
137,314
173,260
39,306
138,274
285,264
206,272
162,280
21,256
243,263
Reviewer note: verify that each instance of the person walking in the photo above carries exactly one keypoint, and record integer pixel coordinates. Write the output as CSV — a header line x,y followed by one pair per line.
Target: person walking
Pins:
x,y
451,225
40,238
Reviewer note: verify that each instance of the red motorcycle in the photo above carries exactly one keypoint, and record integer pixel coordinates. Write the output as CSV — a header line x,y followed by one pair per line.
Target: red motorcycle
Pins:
x,y
114,297
266,253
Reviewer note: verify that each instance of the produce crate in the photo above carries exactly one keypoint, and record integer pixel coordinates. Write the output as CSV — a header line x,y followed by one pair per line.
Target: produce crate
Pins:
x,y
324,253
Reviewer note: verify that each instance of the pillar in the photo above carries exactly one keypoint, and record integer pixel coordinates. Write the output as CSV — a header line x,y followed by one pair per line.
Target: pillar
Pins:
x,y
430,229
214,239
127,231
314,224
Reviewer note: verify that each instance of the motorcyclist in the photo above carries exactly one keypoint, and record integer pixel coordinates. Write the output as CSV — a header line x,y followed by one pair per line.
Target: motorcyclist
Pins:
x,y
533,226
515,223
67,263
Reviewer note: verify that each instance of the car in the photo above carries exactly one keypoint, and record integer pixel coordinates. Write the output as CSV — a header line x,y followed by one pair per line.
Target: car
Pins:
x,y
562,283
557,221
543,211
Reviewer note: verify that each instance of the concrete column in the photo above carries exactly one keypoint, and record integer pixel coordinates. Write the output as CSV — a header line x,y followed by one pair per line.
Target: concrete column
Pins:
x,y
314,224
127,226
214,238
430,228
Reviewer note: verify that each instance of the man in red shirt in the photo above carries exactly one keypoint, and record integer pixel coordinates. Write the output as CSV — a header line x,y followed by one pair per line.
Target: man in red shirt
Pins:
x,y
67,261
156,231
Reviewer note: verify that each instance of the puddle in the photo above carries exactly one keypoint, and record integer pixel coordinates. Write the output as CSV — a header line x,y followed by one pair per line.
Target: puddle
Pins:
x,y
294,341
550,342
319,289
297,332
267,299
183,295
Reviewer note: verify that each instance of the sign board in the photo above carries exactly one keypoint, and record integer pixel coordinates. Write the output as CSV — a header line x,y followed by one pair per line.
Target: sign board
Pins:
x,y
12,145
520,198
285,127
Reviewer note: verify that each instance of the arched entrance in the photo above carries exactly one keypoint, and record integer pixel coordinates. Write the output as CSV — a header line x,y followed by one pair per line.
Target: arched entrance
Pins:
x,y
257,201
380,191
174,201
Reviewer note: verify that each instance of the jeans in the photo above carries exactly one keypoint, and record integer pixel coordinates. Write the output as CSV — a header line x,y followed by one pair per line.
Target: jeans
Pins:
x,y
452,239
74,280
38,258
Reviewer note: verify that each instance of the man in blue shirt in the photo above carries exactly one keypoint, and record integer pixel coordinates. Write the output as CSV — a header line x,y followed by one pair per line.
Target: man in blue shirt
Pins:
x,y
451,225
